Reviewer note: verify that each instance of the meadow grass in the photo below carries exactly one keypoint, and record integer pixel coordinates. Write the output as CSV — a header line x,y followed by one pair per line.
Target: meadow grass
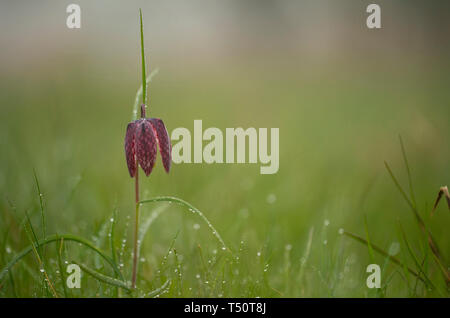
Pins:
x,y
308,231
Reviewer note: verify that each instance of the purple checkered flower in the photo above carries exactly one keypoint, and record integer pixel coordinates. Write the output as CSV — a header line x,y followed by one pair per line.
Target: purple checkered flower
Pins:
x,y
140,144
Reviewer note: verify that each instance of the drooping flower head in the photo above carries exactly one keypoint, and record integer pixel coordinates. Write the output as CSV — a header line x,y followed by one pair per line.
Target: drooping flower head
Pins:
x,y
140,144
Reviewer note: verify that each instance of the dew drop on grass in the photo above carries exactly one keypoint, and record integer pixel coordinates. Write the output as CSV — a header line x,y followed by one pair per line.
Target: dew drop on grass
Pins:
x,y
8,250
196,226
258,254
326,222
341,231
197,276
244,212
325,242
42,270
271,198
394,249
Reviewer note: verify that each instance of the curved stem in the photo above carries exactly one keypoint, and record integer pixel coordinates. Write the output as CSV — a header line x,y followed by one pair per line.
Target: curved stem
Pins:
x,y
193,210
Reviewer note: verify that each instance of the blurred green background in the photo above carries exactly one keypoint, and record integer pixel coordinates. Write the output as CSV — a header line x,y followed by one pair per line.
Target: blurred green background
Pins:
x,y
340,93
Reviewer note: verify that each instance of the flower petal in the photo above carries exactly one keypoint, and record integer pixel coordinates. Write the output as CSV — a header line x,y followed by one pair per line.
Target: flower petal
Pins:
x,y
165,147
130,149
145,146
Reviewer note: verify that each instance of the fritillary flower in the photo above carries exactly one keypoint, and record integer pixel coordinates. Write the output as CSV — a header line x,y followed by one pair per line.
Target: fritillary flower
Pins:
x,y
141,141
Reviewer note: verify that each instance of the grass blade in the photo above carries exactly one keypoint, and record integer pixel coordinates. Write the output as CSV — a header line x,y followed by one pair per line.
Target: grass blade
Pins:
x,y
382,252
60,266
405,158
369,246
41,203
56,238
144,76
413,256
103,278
139,94
193,210
159,290
431,241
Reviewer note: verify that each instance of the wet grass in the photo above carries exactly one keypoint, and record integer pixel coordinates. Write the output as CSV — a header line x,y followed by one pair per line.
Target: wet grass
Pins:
x,y
308,231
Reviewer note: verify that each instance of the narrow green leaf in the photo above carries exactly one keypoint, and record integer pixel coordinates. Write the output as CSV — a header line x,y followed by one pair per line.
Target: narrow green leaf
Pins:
x,y
369,246
56,238
41,203
413,256
405,158
382,252
158,291
193,210
103,278
144,76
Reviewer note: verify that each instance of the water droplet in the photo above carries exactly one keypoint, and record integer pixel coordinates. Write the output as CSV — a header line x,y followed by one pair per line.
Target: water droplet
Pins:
x,y
244,212
394,248
42,270
258,254
271,198
288,247
326,222
197,276
325,242
111,219
196,226
341,231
